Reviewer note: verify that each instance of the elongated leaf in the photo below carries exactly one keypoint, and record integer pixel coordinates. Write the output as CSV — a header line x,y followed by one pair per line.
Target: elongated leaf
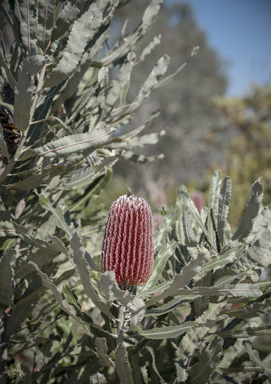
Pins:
x,y
259,253
167,79
82,266
10,77
23,91
201,303
190,236
45,22
158,266
254,356
23,309
27,26
250,216
6,277
4,214
161,234
83,30
59,245
122,77
224,204
201,372
181,280
93,191
170,305
195,214
166,332
101,347
106,283
79,180
221,260
138,309
3,146
192,339
247,332
246,290
57,295
74,143
154,365
158,71
213,203
122,365
37,179
60,219
68,14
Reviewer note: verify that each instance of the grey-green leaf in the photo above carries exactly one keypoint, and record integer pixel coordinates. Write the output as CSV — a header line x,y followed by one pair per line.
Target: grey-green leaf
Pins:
x,y
74,143
224,203
201,372
23,91
122,365
6,277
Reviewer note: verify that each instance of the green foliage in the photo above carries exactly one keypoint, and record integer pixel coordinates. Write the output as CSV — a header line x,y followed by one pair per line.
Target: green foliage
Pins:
x,y
62,320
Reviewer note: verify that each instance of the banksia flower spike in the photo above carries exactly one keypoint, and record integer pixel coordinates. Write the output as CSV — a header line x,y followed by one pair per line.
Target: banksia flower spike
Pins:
x,y
128,242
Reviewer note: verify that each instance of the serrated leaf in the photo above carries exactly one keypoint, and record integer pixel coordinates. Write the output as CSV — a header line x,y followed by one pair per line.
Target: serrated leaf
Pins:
x,y
10,77
59,245
105,284
23,91
154,365
82,266
83,30
4,214
45,22
166,332
250,216
98,378
190,236
122,365
224,204
57,295
243,290
68,14
254,356
161,234
120,81
73,143
3,146
78,180
192,339
23,309
158,266
195,214
259,253
213,203
247,332
201,372
58,214
93,191
158,71
6,277
180,280
27,26
36,179
137,309
221,260
101,347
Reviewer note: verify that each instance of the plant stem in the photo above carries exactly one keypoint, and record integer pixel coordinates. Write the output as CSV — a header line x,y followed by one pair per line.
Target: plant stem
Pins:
x,y
121,324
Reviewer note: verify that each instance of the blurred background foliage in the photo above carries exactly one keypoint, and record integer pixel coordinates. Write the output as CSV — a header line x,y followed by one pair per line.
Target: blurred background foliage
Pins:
x,y
204,129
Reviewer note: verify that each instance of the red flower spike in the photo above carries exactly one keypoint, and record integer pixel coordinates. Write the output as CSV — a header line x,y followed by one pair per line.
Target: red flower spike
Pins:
x,y
128,242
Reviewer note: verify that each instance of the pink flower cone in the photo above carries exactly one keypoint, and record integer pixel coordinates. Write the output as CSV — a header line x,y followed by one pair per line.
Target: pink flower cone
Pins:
x,y
128,242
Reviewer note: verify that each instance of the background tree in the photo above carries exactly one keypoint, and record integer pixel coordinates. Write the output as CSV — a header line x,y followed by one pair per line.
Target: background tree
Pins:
x,y
186,114
244,139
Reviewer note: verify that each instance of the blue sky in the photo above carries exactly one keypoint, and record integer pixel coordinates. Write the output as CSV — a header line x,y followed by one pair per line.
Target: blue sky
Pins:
x,y
240,31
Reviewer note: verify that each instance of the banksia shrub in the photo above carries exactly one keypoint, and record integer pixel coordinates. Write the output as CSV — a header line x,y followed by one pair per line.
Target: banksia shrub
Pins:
x,y
128,242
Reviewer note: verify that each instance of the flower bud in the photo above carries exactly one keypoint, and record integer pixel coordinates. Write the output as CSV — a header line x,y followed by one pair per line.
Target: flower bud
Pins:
x,y
128,242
